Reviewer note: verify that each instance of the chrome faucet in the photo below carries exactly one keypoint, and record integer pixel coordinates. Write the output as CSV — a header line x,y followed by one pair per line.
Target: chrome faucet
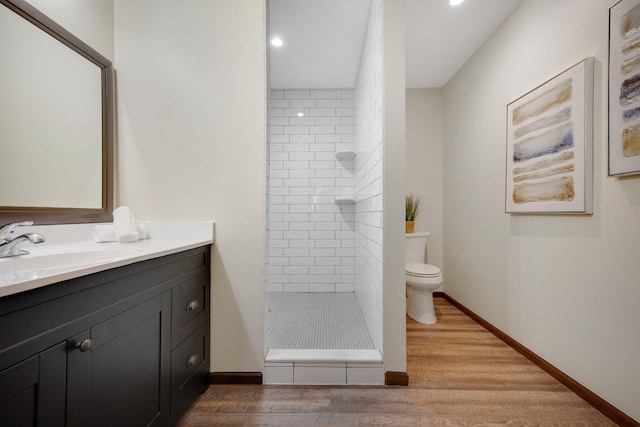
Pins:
x,y
10,245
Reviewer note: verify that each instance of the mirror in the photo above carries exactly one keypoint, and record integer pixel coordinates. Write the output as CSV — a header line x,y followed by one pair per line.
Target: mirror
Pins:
x,y
56,122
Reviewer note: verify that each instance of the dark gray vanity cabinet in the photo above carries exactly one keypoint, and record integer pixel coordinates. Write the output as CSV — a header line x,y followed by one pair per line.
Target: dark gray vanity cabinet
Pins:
x,y
124,347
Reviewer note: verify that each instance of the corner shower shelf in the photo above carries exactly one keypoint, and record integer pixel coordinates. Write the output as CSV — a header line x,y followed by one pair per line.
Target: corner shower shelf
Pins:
x,y
345,155
345,200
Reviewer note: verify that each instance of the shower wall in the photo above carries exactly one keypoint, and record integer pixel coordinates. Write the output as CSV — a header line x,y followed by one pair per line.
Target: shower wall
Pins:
x,y
368,176
311,238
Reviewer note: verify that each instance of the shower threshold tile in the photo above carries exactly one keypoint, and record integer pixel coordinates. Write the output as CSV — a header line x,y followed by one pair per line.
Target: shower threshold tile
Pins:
x,y
319,356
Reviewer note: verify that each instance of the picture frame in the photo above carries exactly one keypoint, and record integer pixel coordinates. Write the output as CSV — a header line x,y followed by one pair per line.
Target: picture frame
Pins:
x,y
623,147
549,151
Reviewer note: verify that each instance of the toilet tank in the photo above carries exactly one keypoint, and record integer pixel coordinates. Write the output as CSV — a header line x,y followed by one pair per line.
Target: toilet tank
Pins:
x,y
416,246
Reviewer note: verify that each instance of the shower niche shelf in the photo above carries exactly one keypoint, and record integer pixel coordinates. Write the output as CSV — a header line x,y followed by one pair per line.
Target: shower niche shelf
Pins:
x,y
345,200
345,155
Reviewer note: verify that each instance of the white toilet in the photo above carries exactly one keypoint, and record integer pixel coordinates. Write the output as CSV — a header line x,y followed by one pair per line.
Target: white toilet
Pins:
x,y
421,278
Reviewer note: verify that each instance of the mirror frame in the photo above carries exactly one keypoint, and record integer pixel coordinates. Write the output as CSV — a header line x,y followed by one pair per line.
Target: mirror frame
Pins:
x,y
43,215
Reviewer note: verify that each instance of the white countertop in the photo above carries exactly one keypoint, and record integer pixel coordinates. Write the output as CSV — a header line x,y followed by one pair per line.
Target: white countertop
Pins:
x,y
73,244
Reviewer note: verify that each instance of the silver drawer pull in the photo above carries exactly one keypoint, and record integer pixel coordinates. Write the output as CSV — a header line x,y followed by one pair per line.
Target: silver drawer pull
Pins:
x,y
84,346
193,305
193,360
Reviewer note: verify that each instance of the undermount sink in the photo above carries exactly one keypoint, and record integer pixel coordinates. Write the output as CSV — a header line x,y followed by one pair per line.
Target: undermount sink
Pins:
x,y
38,263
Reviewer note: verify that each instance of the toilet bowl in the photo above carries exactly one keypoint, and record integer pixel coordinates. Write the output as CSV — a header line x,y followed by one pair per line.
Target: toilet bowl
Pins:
x,y
421,279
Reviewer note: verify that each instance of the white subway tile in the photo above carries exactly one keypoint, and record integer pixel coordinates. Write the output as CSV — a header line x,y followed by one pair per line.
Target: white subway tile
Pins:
x,y
345,93
299,235
348,252
302,139
281,121
327,243
301,173
278,374
322,235
342,112
322,287
278,103
327,173
322,269
300,191
345,269
276,130
317,130
329,138
289,148
279,156
342,130
327,278
300,261
276,200
296,252
319,375
276,217
317,182
330,252
325,103
301,121
295,200
327,260
275,287
293,112
323,93
322,164
296,130
276,173
274,269
327,146
279,191
302,208
301,156
296,269
347,103
296,287
322,217
276,112
278,208
276,252
278,243
296,217
289,94
302,103
294,226
345,287
325,120
279,260
308,243
302,278
320,226
276,94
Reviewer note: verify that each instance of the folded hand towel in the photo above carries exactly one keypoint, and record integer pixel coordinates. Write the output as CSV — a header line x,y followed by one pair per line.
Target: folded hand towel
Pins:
x,y
107,232
125,225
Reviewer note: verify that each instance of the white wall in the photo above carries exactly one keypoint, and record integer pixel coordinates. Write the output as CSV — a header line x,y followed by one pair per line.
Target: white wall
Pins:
x,y
424,163
566,287
311,243
191,132
394,318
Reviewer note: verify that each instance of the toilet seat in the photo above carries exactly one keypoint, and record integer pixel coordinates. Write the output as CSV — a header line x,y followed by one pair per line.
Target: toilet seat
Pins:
x,y
418,269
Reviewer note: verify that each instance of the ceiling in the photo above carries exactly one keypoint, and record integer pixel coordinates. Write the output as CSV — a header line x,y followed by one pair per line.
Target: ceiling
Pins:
x,y
323,39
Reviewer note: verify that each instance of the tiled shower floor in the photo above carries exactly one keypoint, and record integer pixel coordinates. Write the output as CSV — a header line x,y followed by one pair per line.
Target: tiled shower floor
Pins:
x,y
316,321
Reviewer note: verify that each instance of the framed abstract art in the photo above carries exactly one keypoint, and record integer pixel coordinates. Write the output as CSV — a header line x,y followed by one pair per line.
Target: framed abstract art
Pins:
x,y
550,145
624,88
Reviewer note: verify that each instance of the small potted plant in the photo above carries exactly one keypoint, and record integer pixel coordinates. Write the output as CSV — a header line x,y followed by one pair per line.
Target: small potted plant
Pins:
x,y
413,209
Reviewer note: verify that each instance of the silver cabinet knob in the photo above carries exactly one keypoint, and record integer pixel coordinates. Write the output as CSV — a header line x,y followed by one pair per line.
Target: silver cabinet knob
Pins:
x,y
193,360
84,345
193,305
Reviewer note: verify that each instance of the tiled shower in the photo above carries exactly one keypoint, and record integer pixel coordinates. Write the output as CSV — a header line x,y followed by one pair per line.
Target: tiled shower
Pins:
x,y
324,254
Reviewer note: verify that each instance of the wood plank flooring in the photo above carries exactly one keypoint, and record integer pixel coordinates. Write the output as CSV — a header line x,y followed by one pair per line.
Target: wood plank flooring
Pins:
x,y
459,375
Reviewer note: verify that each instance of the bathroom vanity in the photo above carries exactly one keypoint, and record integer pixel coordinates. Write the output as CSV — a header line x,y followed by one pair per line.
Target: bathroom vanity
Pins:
x,y
126,342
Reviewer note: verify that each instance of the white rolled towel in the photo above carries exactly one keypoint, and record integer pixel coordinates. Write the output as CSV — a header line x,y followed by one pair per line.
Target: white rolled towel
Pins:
x,y
107,232
125,225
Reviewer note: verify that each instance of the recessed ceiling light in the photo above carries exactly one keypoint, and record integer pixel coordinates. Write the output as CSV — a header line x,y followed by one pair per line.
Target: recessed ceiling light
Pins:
x,y
300,114
277,42
455,2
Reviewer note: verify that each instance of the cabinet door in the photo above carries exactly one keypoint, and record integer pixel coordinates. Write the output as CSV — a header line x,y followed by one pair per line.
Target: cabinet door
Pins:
x,y
115,368
32,392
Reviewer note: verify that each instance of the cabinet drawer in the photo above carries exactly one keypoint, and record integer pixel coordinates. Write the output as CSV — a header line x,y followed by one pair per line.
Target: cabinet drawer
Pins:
x,y
189,370
190,307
